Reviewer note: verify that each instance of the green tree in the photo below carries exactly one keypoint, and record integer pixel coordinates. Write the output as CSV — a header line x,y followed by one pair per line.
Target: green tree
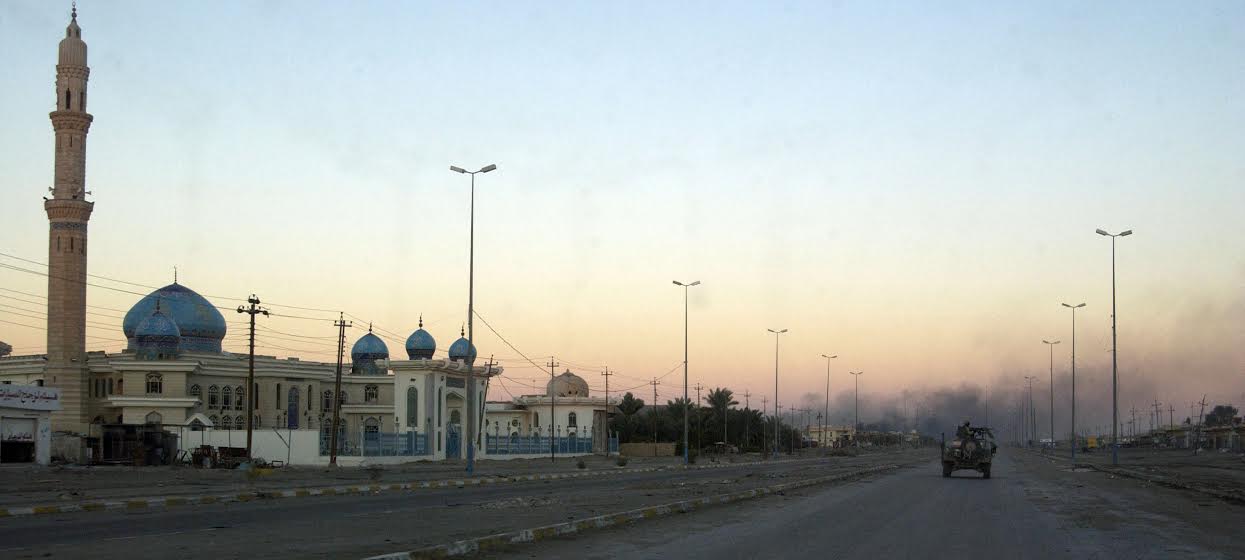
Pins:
x,y
1221,415
720,400
625,423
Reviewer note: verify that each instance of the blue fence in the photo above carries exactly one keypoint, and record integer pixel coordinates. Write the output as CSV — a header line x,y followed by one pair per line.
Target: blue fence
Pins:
x,y
409,444
538,445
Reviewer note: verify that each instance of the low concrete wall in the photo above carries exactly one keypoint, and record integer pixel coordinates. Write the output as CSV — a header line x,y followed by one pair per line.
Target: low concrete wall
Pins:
x,y
303,448
646,449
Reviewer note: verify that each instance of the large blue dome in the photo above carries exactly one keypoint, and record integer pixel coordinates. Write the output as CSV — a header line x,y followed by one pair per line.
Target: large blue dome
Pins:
x,y
201,325
369,347
458,350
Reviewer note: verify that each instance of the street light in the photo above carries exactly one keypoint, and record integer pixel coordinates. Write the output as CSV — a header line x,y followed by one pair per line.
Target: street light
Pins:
x,y
685,408
1052,388
1031,419
827,411
1074,308
776,419
471,358
1115,354
856,426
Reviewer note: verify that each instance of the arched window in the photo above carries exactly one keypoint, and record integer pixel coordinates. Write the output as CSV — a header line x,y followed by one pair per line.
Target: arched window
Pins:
x,y
240,422
155,384
154,418
311,396
213,398
291,415
226,423
68,97
412,407
240,397
215,421
196,425
120,386
341,398
326,401
571,420
196,391
455,417
82,101
226,397
371,428
370,392
110,386
440,403
278,396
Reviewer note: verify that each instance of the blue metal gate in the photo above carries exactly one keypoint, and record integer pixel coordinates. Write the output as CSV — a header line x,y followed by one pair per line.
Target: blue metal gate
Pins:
x,y
452,439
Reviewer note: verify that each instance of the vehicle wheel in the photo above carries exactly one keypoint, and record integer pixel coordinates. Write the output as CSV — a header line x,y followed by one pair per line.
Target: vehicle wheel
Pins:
x,y
985,473
946,470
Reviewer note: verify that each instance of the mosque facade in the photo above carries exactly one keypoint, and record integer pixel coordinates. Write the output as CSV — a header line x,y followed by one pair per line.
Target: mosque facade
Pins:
x,y
175,374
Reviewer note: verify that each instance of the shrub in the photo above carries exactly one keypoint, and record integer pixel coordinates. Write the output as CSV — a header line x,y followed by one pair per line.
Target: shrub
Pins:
x,y
622,462
581,464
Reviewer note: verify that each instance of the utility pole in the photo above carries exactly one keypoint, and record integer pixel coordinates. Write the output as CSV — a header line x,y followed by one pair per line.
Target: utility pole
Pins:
x,y
777,441
654,383
253,310
764,436
1201,417
856,426
607,375
743,446
1134,423
553,400
700,421
341,323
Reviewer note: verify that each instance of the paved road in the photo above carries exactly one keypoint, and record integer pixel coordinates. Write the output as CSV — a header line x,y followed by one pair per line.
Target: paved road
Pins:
x,y
356,526
1031,508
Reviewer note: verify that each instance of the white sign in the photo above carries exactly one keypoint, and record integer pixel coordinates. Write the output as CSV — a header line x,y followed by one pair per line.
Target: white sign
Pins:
x,y
29,397
17,429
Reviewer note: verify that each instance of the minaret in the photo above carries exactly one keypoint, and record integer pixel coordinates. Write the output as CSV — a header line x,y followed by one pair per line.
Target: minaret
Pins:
x,y
68,211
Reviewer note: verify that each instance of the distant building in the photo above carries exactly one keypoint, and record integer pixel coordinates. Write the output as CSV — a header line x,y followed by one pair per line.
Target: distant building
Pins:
x,y
566,409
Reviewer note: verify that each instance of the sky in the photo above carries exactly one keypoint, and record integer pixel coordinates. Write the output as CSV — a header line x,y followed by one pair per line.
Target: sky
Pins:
x,y
913,188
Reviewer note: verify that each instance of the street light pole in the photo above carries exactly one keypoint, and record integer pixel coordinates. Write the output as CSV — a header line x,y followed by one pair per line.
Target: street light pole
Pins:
x,y
1115,354
1052,388
856,426
1074,308
685,401
472,413
827,410
776,419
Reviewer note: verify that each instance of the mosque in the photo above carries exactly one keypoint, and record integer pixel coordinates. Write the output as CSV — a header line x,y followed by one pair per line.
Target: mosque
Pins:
x,y
174,373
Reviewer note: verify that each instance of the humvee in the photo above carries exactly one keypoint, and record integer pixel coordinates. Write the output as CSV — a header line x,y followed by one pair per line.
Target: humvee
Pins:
x,y
972,449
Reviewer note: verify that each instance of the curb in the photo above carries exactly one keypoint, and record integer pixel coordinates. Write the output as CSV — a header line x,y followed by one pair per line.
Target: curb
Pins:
x,y
170,501
1235,498
501,540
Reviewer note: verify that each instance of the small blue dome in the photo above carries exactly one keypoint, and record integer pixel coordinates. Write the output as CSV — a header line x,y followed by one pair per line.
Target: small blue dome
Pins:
x,y
201,325
459,350
420,344
369,347
157,336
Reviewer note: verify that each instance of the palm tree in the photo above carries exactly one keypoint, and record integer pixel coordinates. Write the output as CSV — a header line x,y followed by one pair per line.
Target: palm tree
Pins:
x,y
628,407
720,400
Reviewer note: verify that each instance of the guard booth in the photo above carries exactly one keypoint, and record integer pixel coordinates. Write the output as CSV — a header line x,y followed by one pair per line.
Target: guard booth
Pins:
x,y
25,423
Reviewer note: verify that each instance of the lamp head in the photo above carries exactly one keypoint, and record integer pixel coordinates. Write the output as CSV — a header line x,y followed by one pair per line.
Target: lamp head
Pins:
x,y
457,169
487,168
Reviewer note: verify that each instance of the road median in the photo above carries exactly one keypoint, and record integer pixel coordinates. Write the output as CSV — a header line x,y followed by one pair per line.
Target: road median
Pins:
x,y
502,540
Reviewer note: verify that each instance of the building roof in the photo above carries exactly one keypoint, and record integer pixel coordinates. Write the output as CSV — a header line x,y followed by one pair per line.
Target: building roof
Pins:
x,y
200,324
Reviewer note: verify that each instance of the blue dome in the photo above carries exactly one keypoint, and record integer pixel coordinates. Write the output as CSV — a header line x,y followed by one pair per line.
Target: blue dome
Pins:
x,y
201,325
157,336
369,347
458,350
420,344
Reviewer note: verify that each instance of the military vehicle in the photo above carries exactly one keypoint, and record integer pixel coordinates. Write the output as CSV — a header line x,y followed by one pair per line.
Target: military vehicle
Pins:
x,y
972,449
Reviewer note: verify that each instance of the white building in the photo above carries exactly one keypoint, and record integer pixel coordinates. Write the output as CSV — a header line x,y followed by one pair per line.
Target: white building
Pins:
x,y
26,424
566,410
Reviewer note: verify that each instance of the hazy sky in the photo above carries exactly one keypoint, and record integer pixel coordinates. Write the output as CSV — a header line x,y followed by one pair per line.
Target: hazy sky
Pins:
x,y
912,187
